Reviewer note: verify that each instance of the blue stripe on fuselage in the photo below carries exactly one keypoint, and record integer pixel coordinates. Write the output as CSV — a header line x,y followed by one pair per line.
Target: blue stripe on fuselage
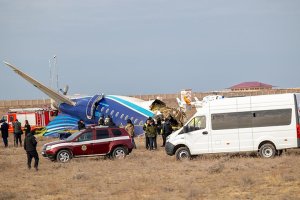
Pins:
x,y
143,111
120,112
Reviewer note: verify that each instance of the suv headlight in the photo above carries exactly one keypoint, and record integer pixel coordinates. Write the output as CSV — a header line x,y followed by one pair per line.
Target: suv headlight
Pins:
x,y
48,148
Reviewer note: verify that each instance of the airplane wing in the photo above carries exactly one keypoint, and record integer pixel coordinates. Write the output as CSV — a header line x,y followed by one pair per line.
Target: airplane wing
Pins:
x,y
57,97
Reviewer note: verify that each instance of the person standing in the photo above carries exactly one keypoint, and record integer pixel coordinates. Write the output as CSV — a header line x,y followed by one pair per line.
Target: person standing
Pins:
x,y
109,122
155,137
4,131
159,125
158,130
101,120
151,133
17,132
130,129
166,130
30,144
81,124
147,143
27,127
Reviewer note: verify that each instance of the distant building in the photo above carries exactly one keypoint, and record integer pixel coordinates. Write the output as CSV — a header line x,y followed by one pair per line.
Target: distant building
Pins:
x,y
250,86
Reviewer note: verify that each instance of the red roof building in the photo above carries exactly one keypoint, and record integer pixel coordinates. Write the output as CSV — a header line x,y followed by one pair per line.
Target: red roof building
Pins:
x,y
246,86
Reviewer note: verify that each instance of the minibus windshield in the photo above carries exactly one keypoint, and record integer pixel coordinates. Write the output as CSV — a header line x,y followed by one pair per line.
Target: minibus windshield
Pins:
x,y
298,106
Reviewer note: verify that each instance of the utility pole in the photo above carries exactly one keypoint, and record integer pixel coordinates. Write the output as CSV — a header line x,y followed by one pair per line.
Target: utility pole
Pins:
x,y
56,70
50,70
53,72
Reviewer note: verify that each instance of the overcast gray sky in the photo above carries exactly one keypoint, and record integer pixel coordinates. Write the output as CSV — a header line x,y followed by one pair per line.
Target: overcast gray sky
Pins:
x,y
149,46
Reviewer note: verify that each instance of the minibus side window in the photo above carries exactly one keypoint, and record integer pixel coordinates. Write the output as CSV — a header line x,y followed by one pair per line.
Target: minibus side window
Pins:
x,y
250,119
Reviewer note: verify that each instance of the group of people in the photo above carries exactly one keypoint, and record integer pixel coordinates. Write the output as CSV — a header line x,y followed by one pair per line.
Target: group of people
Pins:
x,y
153,129
17,130
106,121
30,142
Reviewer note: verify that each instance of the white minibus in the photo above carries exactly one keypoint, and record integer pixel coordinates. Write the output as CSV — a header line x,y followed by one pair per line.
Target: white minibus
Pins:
x,y
267,124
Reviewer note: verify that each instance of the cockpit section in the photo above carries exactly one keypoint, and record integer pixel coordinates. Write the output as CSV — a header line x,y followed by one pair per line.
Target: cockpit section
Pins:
x,y
92,105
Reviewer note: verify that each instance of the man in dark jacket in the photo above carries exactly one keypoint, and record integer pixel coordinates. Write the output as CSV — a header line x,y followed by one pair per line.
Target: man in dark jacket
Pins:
x,y
166,131
30,144
17,133
81,125
27,127
4,131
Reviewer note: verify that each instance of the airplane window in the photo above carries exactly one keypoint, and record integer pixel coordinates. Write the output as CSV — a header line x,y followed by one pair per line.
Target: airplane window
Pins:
x,y
126,117
117,114
107,110
122,116
132,119
102,109
141,122
112,112
135,121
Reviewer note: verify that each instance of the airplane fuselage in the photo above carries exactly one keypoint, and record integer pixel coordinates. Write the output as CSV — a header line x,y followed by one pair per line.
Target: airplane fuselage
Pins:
x,y
89,109
118,108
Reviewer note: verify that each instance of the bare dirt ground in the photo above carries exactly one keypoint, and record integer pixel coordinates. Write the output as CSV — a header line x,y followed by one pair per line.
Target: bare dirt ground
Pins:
x,y
150,175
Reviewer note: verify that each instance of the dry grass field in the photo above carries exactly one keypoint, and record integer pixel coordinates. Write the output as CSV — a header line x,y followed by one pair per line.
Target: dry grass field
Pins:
x,y
151,175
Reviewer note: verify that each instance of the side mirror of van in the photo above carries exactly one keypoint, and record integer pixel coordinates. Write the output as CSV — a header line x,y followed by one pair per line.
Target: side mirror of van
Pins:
x,y
185,129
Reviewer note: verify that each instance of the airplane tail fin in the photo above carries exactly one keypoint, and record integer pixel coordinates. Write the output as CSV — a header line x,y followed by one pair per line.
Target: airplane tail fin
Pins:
x,y
180,104
57,97
65,90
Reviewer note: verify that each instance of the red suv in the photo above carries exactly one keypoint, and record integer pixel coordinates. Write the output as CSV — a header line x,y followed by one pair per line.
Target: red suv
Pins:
x,y
93,141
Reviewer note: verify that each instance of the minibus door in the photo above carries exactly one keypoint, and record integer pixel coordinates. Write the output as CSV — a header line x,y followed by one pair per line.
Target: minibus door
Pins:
x,y
197,136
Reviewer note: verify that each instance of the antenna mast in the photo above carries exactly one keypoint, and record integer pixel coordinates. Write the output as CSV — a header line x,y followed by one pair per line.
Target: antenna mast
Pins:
x,y
53,72
50,80
56,70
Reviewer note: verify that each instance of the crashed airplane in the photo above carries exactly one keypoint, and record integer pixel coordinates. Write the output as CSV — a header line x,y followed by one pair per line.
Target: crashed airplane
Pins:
x,y
90,108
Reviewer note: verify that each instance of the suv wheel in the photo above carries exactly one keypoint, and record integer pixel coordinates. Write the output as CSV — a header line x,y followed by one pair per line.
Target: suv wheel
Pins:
x,y
182,153
119,153
63,156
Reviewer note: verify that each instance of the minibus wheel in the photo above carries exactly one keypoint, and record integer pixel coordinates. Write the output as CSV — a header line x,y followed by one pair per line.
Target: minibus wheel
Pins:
x,y
267,151
182,153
